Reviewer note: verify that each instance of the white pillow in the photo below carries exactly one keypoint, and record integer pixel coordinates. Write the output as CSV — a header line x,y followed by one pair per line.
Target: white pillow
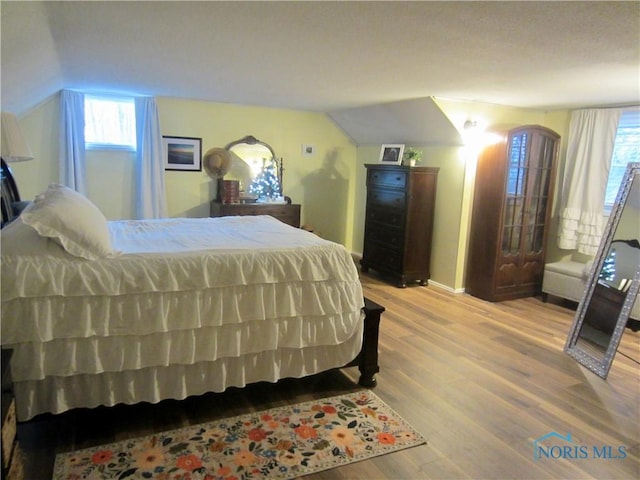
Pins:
x,y
72,220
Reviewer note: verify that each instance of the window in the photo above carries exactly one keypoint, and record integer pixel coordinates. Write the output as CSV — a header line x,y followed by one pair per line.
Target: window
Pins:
x,y
109,122
626,150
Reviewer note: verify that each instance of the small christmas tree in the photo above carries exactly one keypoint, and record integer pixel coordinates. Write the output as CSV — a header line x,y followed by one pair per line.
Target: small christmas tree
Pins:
x,y
266,184
608,271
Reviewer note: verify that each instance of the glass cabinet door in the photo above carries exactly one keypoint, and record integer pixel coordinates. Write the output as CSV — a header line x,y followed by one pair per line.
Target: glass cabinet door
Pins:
x,y
527,194
515,195
540,171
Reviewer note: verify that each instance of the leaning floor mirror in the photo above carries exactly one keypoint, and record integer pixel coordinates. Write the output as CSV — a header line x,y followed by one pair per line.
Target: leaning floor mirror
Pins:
x,y
610,294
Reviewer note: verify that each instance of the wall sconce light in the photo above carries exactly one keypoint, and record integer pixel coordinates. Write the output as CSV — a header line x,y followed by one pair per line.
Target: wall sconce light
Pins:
x,y
473,133
14,146
471,125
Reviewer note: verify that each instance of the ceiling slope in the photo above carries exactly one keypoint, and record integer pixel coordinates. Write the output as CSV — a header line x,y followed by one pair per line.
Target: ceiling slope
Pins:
x,y
325,56
31,67
416,121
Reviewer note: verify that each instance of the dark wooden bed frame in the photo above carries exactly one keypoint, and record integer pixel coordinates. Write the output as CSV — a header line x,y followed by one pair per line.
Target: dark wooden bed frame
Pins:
x,y
10,200
367,359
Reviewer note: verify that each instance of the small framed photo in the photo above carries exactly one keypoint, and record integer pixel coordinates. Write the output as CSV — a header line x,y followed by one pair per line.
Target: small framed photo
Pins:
x,y
182,153
391,154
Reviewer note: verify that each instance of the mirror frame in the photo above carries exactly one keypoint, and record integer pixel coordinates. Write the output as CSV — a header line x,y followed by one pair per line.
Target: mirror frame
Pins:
x,y
251,140
601,366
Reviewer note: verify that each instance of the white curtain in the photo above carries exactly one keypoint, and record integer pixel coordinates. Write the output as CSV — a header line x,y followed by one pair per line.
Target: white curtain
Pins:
x,y
592,135
150,192
71,150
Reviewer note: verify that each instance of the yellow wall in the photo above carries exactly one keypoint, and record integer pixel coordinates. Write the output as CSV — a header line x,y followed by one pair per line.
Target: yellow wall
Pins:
x,y
330,185
323,183
627,228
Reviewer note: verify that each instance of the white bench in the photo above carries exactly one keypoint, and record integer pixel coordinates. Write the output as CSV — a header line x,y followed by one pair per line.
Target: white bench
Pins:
x,y
565,279
568,279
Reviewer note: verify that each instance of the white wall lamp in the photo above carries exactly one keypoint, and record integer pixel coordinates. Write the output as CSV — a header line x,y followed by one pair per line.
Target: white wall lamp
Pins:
x,y
14,146
471,125
476,136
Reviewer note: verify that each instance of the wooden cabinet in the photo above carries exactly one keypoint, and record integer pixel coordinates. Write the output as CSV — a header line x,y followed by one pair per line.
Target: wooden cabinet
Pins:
x,y
285,212
511,213
399,221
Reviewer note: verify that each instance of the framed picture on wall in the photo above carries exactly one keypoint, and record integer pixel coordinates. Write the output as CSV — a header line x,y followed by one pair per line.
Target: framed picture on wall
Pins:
x,y
391,154
182,153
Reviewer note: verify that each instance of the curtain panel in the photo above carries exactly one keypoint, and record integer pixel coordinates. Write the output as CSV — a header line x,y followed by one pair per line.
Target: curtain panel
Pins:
x,y
592,135
150,187
71,148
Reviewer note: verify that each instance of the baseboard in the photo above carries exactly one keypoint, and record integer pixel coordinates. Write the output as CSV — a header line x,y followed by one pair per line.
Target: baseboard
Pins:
x,y
446,287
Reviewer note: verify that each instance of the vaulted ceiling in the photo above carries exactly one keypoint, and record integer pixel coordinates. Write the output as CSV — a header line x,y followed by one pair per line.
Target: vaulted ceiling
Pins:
x,y
325,56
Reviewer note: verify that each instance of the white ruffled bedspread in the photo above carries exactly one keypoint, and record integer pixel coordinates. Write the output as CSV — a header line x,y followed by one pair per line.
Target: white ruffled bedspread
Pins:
x,y
199,295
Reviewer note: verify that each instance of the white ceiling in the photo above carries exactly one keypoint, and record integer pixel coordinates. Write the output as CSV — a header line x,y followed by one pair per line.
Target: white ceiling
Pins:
x,y
325,56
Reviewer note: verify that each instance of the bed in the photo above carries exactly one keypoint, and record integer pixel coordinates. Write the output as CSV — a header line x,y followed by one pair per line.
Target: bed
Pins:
x,y
102,313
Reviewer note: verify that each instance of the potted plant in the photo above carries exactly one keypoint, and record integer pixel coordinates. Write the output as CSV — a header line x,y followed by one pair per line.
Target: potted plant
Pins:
x,y
411,156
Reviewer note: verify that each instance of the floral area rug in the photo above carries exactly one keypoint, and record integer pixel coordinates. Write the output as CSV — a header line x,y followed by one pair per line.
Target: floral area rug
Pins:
x,y
280,443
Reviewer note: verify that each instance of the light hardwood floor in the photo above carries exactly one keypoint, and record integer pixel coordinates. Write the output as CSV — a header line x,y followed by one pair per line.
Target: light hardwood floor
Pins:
x,y
480,381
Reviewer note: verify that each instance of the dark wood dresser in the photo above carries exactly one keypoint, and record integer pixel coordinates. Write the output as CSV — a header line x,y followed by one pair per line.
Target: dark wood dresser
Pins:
x,y
285,212
399,222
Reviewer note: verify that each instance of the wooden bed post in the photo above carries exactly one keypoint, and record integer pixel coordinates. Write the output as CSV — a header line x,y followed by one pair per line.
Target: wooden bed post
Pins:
x,y
367,360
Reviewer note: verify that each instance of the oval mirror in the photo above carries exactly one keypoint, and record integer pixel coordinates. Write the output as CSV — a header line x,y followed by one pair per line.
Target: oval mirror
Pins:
x,y
255,165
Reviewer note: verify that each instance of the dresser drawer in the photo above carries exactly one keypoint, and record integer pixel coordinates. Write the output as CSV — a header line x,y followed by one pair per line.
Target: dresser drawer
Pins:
x,y
287,213
394,179
386,216
382,258
385,236
377,197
